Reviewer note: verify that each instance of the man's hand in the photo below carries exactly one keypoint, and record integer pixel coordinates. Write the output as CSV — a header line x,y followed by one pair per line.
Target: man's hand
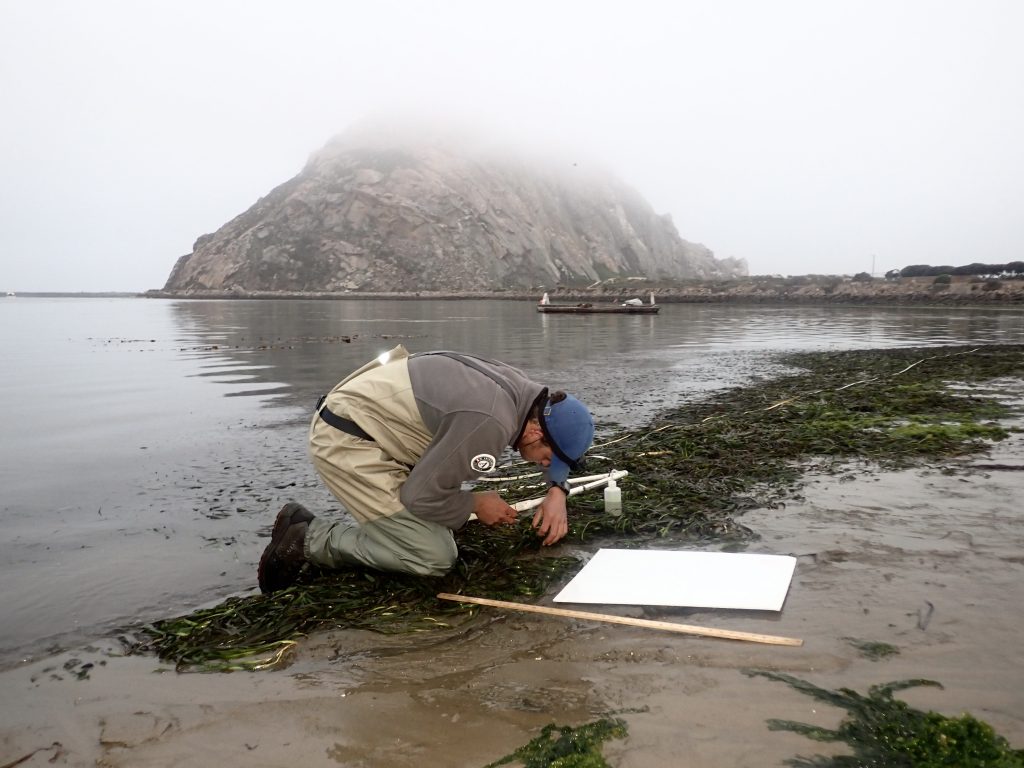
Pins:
x,y
491,509
551,520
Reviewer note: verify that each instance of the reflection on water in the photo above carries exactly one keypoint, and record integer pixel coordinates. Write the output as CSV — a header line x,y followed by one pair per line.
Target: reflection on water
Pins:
x,y
298,348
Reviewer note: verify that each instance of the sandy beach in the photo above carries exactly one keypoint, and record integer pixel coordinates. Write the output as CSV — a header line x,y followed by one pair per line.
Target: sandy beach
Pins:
x,y
927,560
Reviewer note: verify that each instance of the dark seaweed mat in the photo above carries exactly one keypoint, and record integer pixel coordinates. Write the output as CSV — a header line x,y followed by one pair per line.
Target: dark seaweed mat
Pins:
x,y
692,471
567,747
883,731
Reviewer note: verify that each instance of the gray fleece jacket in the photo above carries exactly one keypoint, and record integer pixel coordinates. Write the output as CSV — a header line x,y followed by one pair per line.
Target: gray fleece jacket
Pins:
x,y
470,414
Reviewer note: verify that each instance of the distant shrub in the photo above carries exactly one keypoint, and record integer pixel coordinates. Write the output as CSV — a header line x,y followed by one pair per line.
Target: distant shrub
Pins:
x,y
862,277
991,285
943,280
974,268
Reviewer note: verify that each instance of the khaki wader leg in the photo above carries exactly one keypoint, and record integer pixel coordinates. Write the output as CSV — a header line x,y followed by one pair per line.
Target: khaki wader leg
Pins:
x,y
367,480
402,543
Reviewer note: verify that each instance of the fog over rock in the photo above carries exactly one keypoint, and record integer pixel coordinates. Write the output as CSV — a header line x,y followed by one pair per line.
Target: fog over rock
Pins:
x,y
383,208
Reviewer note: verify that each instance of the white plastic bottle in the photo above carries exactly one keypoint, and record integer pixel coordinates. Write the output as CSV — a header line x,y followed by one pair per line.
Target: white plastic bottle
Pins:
x,y
613,499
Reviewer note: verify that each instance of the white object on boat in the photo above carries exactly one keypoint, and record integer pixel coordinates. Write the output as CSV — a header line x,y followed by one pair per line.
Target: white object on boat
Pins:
x,y
632,303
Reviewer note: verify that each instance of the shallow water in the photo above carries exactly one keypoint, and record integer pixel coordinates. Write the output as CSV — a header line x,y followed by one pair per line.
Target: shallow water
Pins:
x,y
147,444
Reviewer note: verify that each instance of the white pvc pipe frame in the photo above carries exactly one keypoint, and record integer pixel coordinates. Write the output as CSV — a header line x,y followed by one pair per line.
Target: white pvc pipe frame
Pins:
x,y
580,484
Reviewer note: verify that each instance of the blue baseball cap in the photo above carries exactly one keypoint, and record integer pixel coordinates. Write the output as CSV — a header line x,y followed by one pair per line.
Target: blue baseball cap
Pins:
x,y
569,430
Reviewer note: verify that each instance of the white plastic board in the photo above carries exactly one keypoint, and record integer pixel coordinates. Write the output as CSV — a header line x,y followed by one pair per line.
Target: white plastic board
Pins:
x,y
691,579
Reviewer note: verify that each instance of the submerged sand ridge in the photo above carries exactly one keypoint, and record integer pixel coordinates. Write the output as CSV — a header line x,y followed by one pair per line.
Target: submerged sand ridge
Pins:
x,y
927,561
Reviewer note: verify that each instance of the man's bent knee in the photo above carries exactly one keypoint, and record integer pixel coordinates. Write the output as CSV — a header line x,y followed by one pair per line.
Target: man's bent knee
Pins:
x,y
436,559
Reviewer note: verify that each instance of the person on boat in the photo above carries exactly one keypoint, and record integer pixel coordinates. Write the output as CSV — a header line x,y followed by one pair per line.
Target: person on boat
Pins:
x,y
396,440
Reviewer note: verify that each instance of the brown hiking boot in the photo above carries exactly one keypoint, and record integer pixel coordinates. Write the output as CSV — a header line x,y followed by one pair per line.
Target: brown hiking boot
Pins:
x,y
285,554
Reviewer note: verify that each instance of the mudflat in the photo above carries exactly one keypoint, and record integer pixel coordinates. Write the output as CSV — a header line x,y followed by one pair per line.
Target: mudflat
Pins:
x,y
926,560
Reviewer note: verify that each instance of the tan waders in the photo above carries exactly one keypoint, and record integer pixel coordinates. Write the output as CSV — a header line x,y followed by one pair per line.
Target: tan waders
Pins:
x,y
366,474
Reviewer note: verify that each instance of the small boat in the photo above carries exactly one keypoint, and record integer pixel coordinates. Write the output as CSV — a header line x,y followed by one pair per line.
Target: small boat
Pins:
x,y
628,307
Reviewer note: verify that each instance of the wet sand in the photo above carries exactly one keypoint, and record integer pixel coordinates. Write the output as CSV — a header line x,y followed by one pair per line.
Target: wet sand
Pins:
x,y
930,562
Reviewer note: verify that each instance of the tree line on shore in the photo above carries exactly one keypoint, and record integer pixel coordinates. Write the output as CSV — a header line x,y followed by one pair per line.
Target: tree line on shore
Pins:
x,y
1009,269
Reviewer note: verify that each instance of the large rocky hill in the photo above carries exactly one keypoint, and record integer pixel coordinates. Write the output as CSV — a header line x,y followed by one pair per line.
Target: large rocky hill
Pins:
x,y
377,210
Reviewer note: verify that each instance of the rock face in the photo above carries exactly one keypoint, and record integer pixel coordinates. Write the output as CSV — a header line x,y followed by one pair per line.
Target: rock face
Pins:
x,y
373,211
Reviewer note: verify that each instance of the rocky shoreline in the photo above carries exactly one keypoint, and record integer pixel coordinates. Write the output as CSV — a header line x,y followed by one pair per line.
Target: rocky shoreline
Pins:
x,y
813,289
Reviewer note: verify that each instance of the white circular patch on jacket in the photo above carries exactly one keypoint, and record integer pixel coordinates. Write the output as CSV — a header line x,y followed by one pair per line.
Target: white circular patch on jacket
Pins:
x,y
483,462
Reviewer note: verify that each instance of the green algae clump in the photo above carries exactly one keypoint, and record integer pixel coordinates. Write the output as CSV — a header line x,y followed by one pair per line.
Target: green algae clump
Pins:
x,y
884,731
566,747
872,649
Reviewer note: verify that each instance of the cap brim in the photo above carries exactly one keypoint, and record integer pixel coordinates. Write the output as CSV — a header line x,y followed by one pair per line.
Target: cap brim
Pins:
x,y
558,471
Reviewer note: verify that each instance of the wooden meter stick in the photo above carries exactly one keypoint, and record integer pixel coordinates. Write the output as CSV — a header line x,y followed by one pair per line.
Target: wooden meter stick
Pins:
x,y
667,626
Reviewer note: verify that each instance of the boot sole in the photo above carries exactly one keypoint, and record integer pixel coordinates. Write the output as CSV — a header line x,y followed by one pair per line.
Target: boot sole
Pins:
x,y
285,520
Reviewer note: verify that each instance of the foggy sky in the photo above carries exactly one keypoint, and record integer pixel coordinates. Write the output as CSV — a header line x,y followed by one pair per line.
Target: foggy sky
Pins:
x,y
804,136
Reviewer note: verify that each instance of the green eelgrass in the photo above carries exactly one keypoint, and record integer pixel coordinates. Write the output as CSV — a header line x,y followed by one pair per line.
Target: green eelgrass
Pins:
x,y
229,635
567,747
691,472
872,649
884,731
